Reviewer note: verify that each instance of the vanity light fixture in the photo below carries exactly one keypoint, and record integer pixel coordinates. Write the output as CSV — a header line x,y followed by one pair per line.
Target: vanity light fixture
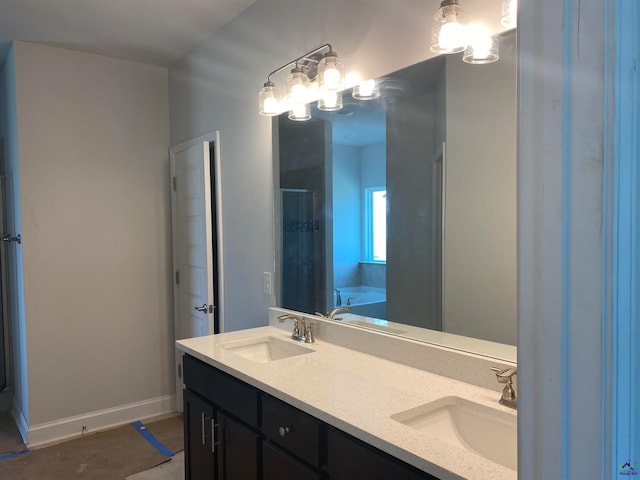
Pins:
x,y
298,85
330,101
482,48
300,112
509,13
447,33
269,100
314,75
367,90
330,74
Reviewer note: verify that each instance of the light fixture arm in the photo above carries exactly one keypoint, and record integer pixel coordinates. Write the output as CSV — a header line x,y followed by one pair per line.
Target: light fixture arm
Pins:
x,y
295,62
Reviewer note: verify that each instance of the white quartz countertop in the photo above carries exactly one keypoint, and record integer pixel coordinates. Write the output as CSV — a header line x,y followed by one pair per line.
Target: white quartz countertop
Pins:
x,y
358,393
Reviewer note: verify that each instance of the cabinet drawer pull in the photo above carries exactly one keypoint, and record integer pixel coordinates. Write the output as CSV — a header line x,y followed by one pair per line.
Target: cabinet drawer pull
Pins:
x,y
213,435
282,431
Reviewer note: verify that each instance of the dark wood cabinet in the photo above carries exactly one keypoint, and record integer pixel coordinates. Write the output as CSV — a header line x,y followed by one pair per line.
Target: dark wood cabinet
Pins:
x,y
234,431
293,430
199,452
349,458
238,450
277,465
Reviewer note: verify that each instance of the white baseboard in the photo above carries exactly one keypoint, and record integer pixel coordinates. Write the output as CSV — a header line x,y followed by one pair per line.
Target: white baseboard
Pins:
x,y
72,427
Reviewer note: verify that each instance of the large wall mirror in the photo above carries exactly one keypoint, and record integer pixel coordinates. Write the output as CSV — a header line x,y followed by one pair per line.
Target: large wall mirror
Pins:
x,y
404,207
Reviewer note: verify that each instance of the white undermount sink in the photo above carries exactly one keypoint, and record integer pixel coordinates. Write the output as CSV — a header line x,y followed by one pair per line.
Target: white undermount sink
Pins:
x,y
265,349
488,432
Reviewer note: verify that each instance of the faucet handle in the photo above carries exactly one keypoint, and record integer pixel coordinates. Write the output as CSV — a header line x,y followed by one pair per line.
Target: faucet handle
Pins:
x,y
504,374
308,334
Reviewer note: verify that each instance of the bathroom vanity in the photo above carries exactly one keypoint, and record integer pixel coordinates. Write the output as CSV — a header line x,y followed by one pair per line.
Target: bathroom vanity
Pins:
x,y
236,431
259,405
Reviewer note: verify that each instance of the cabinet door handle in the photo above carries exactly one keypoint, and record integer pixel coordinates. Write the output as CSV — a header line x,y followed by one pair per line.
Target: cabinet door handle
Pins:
x,y
282,431
214,425
202,428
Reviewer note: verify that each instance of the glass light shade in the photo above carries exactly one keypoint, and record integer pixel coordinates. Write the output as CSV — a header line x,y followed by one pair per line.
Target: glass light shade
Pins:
x,y
300,112
269,100
367,90
509,13
330,101
330,74
298,85
448,35
483,48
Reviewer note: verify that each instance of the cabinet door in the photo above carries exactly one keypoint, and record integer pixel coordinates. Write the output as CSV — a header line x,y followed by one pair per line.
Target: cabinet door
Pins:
x,y
279,466
237,448
349,458
199,460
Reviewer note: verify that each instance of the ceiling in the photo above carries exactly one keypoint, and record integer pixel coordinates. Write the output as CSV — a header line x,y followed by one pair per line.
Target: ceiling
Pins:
x,y
157,32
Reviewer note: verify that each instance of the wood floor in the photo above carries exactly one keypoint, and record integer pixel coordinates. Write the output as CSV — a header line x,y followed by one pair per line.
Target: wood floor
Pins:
x,y
135,452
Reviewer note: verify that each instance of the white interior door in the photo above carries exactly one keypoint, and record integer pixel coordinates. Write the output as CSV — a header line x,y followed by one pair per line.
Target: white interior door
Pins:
x,y
192,245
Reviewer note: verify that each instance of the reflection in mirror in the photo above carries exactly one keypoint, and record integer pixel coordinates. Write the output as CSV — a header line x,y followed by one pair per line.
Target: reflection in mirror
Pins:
x,y
404,207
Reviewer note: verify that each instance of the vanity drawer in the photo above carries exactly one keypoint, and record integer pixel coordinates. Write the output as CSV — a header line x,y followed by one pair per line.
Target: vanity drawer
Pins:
x,y
225,391
278,466
292,429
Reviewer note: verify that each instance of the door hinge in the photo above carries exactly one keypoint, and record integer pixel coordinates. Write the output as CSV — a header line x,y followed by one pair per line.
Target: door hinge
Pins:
x,y
177,277
174,182
179,371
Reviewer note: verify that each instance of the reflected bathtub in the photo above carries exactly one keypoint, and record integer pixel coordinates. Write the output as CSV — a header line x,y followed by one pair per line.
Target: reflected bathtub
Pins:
x,y
364,300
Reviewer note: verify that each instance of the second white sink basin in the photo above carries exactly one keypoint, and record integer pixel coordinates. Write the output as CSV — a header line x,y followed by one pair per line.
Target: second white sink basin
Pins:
x,y
488,432
265,349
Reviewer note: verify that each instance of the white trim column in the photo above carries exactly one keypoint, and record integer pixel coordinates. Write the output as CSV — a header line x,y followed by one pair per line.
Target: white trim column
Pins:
x,y
626,244
564,153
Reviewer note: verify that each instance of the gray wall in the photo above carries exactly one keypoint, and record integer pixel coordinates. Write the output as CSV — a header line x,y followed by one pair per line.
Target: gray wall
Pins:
x,y
347,224
480,268
95,331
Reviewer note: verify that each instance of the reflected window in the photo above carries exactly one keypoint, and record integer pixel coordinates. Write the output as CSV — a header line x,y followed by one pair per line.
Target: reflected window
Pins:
x,y
375,217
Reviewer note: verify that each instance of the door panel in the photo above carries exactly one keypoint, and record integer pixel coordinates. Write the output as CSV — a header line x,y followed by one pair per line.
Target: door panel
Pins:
x,y
191,208
194,232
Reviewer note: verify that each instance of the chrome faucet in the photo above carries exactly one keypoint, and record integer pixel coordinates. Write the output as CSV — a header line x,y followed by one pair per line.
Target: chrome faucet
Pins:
x,y
302,331
338,297
508,397
332,314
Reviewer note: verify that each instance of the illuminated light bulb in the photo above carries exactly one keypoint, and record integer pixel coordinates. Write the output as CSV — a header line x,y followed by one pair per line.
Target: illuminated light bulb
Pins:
x,y
331,79
483,48
451,34
269,100
366,90
330,101
330,72
300,112
298,92
271,106
297,85
447,31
